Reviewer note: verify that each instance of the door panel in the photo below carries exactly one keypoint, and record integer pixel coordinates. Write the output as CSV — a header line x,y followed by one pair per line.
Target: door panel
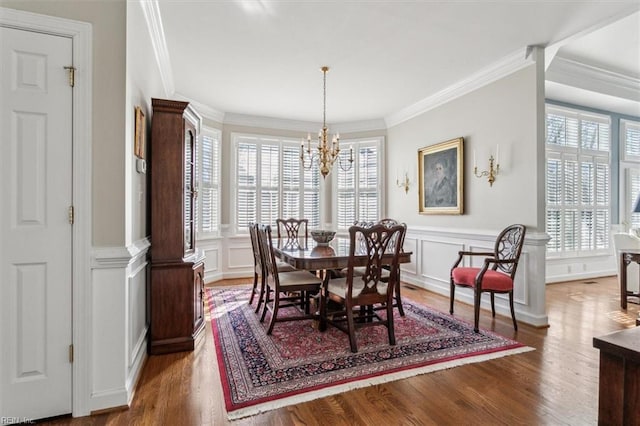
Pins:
x,y
35,234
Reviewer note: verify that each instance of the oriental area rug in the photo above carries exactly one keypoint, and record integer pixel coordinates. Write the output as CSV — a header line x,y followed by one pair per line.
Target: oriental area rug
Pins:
x,y
298,363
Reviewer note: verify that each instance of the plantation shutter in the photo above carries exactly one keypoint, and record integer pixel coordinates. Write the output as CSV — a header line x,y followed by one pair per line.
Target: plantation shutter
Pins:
x,y
346,197
311,195
291,182
633,192
578,181
269,183
246,179
209,191
357,190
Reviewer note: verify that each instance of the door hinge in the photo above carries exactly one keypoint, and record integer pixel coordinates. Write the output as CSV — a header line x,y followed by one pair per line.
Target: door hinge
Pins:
x,y
71,215
71,353
72,75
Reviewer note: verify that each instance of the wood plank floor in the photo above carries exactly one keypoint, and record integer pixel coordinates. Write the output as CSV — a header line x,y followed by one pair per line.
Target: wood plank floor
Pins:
x,y
557,384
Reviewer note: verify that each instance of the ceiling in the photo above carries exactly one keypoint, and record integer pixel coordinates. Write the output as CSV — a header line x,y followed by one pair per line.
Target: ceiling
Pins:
x,y
262,57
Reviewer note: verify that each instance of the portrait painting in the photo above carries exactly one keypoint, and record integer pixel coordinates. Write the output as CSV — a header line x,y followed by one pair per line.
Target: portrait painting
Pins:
x,y
440,177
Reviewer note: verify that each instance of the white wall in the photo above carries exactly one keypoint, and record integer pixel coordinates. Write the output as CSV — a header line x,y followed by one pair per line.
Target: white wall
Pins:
x,y
504,113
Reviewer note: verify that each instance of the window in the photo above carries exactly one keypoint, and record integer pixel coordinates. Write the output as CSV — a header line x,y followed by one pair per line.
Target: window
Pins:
x,y
271,183
629,167
208,201
577,182
357,191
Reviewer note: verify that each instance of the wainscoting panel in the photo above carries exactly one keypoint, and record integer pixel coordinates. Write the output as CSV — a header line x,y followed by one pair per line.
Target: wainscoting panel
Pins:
x,y
118,323
437,257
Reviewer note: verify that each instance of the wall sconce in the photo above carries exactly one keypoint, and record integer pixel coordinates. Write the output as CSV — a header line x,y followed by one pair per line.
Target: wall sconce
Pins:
x,y
404,183
492,172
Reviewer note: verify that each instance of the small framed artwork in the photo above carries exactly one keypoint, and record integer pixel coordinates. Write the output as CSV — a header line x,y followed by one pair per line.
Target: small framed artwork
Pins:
x,y
440,177
140,133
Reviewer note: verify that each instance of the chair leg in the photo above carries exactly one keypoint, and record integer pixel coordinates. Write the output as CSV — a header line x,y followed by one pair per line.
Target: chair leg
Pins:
x,y
267,297
451,297
476,310
261,296
392,335
493,305
274,312
513,313
255,287
351,327
398,299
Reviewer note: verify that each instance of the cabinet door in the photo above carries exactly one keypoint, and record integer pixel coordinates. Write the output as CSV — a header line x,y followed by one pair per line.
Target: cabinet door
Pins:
x,y
189,189
198,307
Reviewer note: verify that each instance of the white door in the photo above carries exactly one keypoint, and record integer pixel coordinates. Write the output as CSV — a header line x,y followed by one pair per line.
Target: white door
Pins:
x,y
35,233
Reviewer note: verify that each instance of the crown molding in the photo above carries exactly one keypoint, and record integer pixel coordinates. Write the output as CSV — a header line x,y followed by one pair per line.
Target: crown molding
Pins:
x,y
302,126
151,12
585,76
500,69
204,110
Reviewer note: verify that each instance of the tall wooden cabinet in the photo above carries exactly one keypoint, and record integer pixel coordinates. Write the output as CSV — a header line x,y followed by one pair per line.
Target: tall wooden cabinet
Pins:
x,y
175,290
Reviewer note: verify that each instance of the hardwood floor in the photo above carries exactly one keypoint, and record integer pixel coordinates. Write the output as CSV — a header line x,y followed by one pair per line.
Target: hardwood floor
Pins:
x,y
557,384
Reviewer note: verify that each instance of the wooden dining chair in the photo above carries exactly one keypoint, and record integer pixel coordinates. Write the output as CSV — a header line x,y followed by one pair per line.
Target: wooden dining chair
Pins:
x,y
285,289
496,274
385,273
366,290
290,228
259,268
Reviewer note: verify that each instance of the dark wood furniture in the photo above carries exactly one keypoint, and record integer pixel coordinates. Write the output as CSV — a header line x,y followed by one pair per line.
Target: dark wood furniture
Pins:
x,y
619,388
496,275
175,289
367,290
626,257
307,254
291,228
284,289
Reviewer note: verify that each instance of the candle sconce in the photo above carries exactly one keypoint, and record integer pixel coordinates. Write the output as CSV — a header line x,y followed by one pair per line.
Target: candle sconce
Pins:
x,y
491,173
404,183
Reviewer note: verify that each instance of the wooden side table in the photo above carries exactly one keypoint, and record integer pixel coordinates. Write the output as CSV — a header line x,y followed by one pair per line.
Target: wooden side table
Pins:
x,y
626,257
619,385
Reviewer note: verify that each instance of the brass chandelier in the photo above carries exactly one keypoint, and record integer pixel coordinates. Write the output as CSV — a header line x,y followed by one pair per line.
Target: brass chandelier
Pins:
x,y
327,153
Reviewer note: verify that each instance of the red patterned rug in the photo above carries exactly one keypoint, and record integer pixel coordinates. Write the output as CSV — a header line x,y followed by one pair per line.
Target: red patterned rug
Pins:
x,y
298,363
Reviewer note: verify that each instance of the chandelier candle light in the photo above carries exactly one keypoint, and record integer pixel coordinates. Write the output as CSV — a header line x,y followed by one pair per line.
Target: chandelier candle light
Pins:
x,y
492,172
327,153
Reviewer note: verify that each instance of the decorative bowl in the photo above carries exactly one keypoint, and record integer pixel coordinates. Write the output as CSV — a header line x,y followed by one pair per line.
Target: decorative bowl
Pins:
x,y
322,237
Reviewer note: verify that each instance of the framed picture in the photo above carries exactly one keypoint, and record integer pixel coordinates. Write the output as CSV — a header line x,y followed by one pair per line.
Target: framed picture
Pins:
x,y
440,176
141,130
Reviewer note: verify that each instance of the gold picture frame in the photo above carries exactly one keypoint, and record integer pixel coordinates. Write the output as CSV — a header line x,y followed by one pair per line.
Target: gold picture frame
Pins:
x,y
441,177
140,133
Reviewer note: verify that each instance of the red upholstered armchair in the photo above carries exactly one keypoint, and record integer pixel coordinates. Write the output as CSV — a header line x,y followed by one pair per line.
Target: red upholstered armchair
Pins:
x,y
496,274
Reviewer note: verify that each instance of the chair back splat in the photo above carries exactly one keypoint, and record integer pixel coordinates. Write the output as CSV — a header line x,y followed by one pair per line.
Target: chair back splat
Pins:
x,y
290,228
496,275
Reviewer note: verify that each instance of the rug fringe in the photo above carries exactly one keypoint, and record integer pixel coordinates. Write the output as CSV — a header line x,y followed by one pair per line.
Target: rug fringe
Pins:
x,y
333,390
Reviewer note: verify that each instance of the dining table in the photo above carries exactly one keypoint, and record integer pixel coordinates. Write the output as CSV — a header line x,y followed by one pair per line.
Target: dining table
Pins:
x,y
307,254
323,258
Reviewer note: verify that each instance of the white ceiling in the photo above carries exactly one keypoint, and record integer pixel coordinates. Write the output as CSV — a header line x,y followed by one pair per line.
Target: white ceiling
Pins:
x,y
262,57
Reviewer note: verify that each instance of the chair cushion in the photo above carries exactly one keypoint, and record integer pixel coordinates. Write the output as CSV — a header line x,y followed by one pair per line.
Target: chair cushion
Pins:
x,y
284,267
294,278
339,286
359,271
492,280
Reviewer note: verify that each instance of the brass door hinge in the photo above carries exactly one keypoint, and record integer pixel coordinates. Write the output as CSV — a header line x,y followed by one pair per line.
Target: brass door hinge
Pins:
x,y
72,75
71,353
72,216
